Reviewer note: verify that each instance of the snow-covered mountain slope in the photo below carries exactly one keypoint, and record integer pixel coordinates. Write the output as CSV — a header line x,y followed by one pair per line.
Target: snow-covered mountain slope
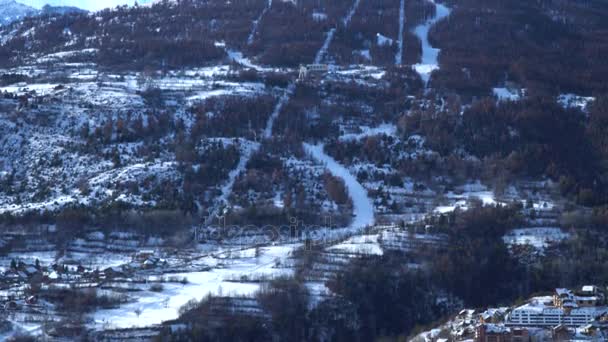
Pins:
x,y
48,9
10,11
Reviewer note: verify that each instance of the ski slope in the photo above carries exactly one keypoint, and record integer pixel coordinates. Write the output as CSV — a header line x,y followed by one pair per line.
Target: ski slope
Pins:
x,y
363,208
429,62
399,55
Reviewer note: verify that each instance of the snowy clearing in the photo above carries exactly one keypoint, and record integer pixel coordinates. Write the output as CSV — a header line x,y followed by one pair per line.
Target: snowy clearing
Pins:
x,y
539,238
228,277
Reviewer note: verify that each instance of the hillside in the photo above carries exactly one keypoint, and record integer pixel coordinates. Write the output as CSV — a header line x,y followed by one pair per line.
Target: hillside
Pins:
x,y
297,170
11,10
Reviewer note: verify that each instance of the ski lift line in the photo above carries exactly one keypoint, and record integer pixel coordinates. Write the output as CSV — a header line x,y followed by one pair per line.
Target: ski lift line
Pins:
x,y
399,55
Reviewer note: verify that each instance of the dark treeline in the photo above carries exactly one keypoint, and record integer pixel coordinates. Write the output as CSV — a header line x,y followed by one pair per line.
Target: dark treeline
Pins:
x,y
289,35
232,116
168,34
534,137
546,46
74,220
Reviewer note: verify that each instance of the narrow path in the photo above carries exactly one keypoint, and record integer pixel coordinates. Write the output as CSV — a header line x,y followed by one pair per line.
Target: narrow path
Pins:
x,y
323,51
226,189
330,35
351,13
256,23
399,55
429,62
363,208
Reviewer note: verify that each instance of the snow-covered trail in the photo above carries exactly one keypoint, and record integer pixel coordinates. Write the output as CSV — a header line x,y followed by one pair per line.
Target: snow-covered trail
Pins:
x,y
246,156
430,55
256,23
226,189
363,208
399,55
330,35
323,51
351,13
277,110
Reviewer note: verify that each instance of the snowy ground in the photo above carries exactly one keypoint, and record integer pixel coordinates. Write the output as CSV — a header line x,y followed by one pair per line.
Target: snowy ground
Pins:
x,y
386,129
429,62
360,244
230,274
539,238
506,94
575,101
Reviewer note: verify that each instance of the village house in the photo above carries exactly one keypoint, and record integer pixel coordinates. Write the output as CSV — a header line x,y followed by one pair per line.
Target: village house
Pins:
x,y
493,315
588,296
500,333
560,333
564,307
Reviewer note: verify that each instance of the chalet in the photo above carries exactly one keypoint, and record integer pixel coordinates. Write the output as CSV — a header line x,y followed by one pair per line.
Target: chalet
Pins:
x,y
112,272
31,300
560,333
492,333
11,305
520,335
501,333
588,296
143,255
30,270
493,315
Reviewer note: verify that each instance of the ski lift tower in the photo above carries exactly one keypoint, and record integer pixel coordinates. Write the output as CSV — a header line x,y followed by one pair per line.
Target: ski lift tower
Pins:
x,y
303,72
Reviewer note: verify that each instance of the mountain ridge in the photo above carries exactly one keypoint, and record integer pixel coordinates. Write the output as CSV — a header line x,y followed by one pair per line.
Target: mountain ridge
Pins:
x,y
11,11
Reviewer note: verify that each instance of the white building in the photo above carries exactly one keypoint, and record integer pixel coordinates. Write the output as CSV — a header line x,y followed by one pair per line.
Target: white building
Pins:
x,y
540,312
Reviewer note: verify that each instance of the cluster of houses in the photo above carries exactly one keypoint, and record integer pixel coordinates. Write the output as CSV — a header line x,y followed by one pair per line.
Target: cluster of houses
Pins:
x,y
566,315
14,295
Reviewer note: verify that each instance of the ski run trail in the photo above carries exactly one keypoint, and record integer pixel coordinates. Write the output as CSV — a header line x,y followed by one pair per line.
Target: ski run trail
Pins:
x,y
429,62
254,28
363,209
399,55
226,190
330,35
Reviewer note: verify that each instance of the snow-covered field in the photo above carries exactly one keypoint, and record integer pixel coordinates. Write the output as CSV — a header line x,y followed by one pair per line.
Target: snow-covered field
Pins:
x,y
360,244
539,238
232,273
506,94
